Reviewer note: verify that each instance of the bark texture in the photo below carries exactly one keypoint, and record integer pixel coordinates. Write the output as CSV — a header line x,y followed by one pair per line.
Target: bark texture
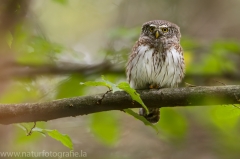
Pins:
x,y
167,97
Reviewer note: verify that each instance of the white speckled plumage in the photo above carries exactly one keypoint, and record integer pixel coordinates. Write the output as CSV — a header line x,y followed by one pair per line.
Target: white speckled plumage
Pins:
x,y
156,60
145,72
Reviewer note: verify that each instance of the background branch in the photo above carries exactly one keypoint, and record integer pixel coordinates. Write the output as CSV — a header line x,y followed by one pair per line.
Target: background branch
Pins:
x,y
167,97
13,69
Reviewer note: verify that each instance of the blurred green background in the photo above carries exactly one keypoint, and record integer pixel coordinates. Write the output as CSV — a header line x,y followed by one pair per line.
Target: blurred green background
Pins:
x,y
89,32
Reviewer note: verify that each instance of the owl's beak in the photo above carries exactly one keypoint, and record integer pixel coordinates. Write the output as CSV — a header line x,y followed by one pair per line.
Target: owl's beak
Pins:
x,y
157,34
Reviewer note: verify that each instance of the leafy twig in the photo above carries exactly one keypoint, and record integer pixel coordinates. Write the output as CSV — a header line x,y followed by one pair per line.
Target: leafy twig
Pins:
x,y
100,100
30,131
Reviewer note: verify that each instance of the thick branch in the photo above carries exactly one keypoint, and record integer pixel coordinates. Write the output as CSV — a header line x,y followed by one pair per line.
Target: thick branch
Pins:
x,y
167,97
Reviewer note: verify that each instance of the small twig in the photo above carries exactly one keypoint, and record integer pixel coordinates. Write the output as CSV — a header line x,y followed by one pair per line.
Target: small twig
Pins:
x,y
220,82
236,97
100,100
237,100
30,132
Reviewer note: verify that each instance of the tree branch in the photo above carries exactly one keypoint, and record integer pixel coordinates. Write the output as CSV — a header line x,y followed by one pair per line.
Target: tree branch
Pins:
x,y
167,97
14,69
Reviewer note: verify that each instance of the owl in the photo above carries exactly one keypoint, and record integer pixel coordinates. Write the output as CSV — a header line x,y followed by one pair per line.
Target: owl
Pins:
x,y
156,61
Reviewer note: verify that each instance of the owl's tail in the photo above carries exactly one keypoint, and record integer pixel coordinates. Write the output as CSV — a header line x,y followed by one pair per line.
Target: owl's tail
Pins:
x,y
153,116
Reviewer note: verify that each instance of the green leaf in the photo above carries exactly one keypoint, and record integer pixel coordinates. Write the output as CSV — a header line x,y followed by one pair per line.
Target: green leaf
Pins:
x,y
110,85
188,43
19,92
63,138
225,117
172,124
132,92
114,87
96,83
32,58
228,46
121,86
43,46
22,127
104,125
141,118
20,135
70,87
37,51
39,130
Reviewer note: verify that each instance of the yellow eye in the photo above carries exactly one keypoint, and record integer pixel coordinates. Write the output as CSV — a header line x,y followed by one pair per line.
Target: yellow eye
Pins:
x,y
151,28
164,30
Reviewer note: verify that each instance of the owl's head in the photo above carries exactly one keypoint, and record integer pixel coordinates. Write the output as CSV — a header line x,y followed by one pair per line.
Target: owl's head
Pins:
x,y
161,29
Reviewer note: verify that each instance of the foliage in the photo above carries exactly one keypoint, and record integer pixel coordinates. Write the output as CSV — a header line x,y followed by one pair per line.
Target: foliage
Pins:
x,y
113,87
70,87
105,127
215,58
55,134
173,125
135,96
121,86
141,118
63,138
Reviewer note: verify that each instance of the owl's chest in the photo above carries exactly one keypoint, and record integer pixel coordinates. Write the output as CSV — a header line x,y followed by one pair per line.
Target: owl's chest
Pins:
x,y
157,68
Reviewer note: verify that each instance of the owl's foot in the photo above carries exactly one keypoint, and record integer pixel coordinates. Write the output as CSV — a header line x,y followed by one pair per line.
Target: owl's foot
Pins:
x,y
153,116
153,86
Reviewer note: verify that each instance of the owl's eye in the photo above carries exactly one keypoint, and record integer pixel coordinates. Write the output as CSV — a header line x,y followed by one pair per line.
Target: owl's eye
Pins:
x,y
151,28
165,30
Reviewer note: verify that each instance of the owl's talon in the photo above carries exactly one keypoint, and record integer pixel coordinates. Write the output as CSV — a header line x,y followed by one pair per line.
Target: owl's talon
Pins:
x,y
151,86
133,102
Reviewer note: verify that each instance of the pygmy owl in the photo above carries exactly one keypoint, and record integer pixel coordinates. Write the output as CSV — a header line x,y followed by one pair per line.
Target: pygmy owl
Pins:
x,y
156,60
